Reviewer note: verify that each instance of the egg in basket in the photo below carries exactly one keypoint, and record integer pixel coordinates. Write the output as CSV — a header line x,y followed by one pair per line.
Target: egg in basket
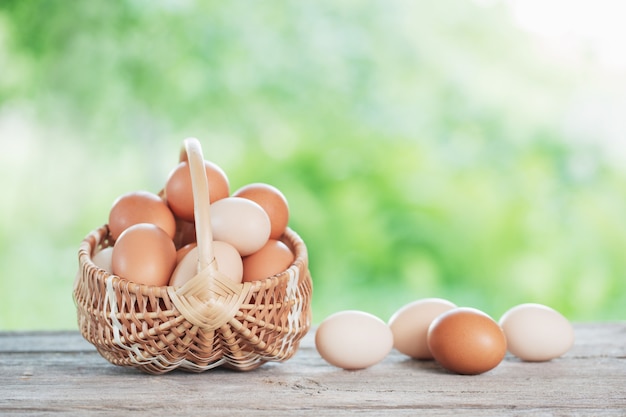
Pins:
x,y
221,282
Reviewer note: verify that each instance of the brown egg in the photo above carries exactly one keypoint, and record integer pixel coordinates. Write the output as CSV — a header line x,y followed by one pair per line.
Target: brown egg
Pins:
x,y
466,341
144,254
140,207
271,259
178,190
272,200
180,253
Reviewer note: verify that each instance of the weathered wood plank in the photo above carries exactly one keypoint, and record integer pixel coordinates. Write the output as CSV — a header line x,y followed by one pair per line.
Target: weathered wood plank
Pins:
x,y
59,373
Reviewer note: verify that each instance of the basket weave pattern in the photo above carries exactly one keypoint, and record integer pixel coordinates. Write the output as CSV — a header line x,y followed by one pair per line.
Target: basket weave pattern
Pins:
x,y
210,321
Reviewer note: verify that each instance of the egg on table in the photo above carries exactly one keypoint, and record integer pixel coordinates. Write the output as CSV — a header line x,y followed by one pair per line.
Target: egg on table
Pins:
x,y
410,323
466,341
353,339
536,333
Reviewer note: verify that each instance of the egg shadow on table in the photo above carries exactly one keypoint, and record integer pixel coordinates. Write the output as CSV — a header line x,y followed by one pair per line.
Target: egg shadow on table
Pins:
x,y
422,365
430,366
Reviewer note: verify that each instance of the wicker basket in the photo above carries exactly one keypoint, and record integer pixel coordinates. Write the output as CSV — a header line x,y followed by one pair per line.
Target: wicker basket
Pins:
x,y
208,322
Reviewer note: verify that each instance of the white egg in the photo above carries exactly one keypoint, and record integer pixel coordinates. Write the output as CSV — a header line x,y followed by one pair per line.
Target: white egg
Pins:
x,y
240,222
103,259
409,325
536,333
353,339
228,261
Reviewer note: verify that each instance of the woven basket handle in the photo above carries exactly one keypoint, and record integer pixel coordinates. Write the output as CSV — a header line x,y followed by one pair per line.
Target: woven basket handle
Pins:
x,y
209,299
201,204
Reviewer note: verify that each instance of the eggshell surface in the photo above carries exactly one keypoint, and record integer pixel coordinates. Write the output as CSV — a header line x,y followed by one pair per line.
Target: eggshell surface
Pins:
x,y
180,253
103,259
410,323
186,268
353,339
271,259
140,207
144,254
228,262
272,200
179,194
536,332
466,341
240,222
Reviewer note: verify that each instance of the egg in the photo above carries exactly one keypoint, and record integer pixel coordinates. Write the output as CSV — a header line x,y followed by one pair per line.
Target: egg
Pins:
x,y
228,263
240,222
228,260
271,259
140,207
466,341
272,200
180,253
144,254
535,332
179,194
103,259
353,339
409,325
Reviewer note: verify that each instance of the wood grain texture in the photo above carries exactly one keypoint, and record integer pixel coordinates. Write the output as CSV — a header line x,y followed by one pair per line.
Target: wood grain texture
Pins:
x,y
59,373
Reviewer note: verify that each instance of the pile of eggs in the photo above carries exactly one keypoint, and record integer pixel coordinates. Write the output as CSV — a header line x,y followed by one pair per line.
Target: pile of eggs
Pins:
x,y
461,339
154,240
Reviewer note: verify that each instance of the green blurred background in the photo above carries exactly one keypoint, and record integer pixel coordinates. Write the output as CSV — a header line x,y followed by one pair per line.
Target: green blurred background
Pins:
x,y
427,149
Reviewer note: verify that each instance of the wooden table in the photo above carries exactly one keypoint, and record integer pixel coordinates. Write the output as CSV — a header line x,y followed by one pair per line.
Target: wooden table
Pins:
x,y
43,373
